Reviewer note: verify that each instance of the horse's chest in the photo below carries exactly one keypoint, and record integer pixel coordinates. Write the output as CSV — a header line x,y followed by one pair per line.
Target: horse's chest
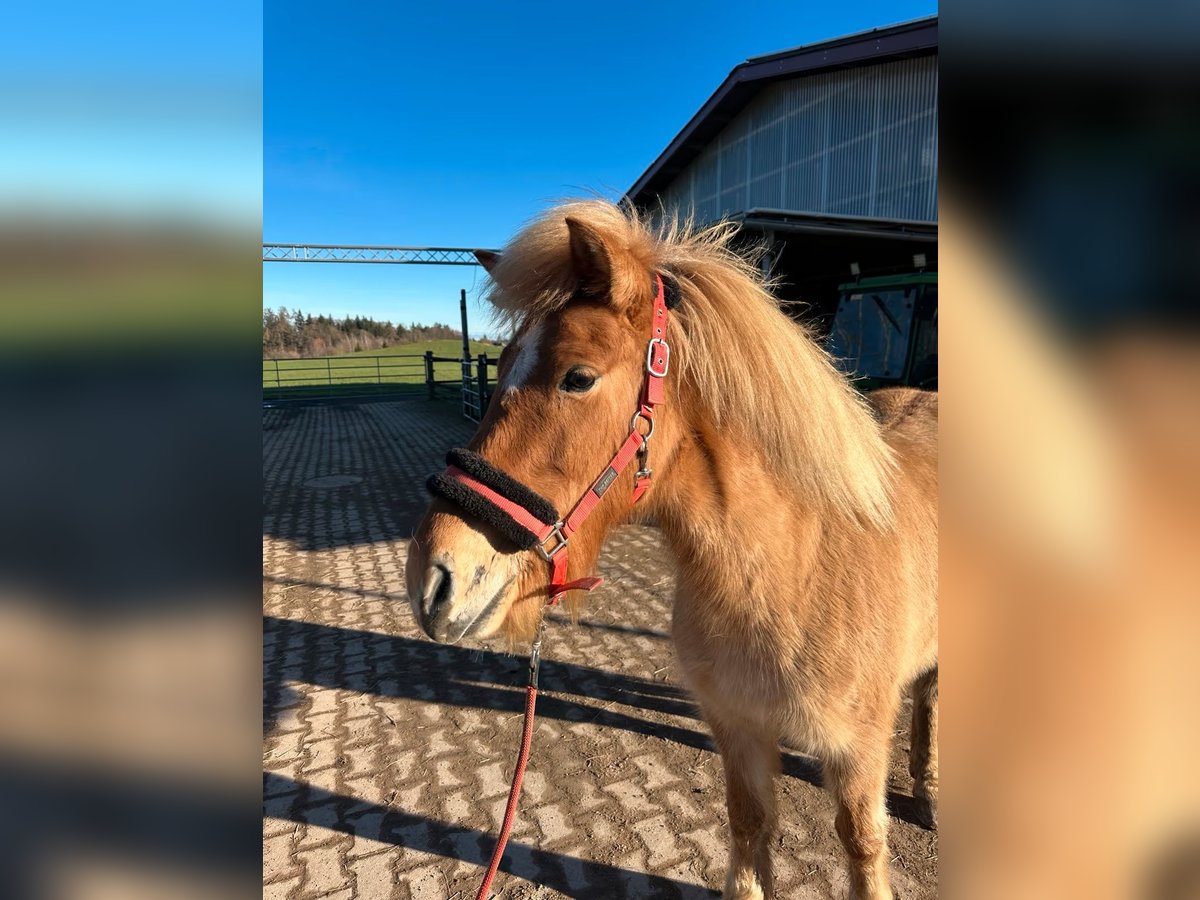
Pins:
x,y
730,666
749,680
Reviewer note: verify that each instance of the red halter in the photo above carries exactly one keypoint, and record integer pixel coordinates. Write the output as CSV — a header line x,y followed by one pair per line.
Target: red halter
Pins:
x,y
553,540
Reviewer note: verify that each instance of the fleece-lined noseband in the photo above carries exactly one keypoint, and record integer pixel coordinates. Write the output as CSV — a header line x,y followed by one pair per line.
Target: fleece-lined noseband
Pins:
x,y
532,522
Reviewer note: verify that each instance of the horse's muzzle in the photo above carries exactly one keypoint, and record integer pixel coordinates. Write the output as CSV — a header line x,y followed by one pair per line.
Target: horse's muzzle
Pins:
x,y
433,607
456,591
445,615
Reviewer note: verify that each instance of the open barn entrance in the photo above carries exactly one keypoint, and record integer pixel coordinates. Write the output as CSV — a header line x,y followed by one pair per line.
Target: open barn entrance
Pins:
x,y
867,288
813,257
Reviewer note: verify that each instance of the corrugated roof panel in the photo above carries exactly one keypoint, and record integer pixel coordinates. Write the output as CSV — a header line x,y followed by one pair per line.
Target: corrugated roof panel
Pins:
x,y
860,141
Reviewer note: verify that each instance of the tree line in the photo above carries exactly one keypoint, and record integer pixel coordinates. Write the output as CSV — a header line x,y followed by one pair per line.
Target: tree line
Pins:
x,y
295,334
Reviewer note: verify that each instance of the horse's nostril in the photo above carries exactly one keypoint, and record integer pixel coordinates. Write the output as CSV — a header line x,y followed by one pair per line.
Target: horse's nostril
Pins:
x,y
439,587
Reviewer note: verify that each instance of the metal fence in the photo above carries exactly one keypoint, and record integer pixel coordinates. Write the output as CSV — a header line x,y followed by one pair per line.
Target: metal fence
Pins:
x,y
412,376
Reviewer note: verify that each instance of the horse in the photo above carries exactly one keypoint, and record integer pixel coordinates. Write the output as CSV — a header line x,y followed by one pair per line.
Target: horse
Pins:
x,y
801,515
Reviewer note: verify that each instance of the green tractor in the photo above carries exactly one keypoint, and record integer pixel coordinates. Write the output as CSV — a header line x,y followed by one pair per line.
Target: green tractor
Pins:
x,y
884,332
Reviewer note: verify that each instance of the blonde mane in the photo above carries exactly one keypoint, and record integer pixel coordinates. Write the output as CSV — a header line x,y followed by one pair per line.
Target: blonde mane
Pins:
x,y
758,371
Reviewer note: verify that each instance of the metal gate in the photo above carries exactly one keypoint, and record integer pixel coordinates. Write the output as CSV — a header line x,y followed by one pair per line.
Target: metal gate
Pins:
x,y
476,386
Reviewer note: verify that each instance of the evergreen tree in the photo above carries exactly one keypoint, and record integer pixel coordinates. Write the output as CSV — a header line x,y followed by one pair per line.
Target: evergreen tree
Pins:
x,y
297,334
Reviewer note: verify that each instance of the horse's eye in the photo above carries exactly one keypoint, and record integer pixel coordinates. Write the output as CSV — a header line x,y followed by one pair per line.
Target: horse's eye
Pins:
x,y
577,380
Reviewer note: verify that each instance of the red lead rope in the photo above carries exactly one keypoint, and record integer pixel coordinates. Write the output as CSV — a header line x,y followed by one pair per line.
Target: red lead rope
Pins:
x,y
514,792
558,535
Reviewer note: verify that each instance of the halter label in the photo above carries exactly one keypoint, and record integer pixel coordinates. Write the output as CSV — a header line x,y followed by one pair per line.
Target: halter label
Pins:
x,y
603,482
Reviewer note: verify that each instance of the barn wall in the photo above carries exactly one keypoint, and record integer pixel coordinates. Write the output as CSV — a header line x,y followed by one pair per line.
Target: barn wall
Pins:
x,y
853,142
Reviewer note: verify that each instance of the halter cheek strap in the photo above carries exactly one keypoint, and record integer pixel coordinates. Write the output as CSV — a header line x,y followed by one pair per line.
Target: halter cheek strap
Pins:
x,y
529,520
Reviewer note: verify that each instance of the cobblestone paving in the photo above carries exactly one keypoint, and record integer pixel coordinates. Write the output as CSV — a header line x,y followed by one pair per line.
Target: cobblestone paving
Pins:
x,y
387,757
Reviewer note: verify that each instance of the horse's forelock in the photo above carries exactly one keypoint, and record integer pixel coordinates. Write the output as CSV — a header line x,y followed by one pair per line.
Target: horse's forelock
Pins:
x,y
536,275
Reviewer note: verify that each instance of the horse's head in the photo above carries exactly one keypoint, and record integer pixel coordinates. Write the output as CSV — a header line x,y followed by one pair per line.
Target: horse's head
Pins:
x,y
568,385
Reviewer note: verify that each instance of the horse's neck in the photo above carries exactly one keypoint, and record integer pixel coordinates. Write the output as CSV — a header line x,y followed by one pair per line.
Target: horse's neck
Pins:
x,y
736,528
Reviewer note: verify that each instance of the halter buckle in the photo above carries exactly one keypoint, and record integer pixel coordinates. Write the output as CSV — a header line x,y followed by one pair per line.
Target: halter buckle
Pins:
x,y
560,543
666,358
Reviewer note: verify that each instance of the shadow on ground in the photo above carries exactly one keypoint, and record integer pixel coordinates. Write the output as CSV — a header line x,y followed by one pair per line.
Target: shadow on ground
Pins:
x,y
389,449
554,870
407,668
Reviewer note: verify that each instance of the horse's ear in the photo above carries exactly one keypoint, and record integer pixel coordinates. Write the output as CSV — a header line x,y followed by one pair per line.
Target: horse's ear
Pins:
x,y
489,259
590,256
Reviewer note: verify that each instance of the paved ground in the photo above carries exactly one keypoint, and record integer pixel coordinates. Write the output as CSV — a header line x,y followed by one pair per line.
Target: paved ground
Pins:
x,y
387,757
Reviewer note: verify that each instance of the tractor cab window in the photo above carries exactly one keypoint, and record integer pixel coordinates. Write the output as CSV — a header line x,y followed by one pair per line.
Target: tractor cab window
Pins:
x,y
871,331
924,370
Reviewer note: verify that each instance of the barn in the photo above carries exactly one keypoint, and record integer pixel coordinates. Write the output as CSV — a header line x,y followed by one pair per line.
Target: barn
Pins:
x,y
827,154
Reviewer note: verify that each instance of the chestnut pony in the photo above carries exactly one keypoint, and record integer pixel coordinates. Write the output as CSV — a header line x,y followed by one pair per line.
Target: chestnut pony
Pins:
x,y
803,519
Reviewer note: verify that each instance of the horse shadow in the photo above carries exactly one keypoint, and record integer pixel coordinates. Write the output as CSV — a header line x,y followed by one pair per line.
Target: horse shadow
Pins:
x,y
411,669
558,871
401,667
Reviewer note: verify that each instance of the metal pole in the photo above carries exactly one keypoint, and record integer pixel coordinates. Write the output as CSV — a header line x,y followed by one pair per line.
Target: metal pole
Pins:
x,y
462,306
482,377
429,372
767,262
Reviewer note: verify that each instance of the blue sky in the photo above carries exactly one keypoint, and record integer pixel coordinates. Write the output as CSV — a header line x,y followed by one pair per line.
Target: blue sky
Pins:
x,y
451,124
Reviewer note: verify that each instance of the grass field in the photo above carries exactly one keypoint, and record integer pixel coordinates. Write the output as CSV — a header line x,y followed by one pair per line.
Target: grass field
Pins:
x,y
401,364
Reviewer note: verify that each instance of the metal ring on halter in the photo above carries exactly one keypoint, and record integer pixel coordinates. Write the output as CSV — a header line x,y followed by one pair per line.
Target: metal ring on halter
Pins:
x,y
641,414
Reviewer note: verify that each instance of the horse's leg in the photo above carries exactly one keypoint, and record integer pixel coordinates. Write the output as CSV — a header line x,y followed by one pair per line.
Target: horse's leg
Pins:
x,y
923,757
751,761
857,778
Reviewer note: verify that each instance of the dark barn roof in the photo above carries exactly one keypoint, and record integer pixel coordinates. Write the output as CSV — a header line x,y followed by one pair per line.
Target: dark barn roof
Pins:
x,y
915,38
